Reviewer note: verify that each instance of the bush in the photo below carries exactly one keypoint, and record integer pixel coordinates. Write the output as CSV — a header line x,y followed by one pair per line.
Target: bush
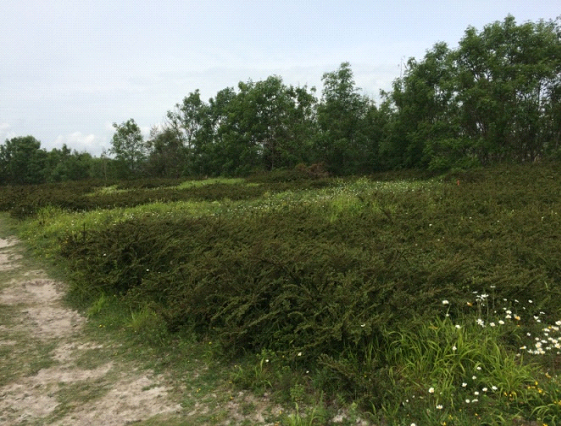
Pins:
x,y
312,280
324,278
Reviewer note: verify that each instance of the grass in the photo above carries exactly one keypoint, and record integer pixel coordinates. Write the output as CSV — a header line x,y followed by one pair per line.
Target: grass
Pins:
x,y
469,369
211,181
21,360
397,301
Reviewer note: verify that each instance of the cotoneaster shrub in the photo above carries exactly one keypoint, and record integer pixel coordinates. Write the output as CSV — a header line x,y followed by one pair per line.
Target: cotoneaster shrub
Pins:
x,y
25,201
314,278
340,280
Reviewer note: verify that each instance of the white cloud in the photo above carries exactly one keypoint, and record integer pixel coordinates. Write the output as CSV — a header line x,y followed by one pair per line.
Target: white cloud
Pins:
x,y
80,142
6,132
145,131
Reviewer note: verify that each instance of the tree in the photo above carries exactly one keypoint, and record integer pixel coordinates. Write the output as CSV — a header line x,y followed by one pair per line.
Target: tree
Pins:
x,y
245,129
303,122
192,123
128,147
343,142
266,126
507,74
64,165
22,161
167,154
424,105
495,98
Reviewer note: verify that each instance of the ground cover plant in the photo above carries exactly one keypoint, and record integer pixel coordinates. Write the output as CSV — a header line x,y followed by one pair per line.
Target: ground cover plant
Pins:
x,y
80,196
408,300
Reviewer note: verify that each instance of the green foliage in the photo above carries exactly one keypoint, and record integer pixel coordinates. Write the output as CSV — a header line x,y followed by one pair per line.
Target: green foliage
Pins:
x,y
167,155
263,126
505,76
267,126
466,371
300,173
211,181
66,165
22,161
128,147
260,375
297,419
25,201
347,281
97,306
148,326
492,99
346,141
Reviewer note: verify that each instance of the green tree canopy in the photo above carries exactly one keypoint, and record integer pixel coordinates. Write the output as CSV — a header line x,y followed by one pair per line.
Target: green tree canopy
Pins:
x,y
22,161
505,76
264,126
345,142
494,98
128,147
167,154
64,165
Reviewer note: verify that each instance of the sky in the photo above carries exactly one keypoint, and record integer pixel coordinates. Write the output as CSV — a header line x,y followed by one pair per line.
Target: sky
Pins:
x,y
69,69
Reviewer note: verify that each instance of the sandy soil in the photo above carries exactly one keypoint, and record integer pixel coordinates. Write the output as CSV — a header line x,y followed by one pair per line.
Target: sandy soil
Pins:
x,y
61,392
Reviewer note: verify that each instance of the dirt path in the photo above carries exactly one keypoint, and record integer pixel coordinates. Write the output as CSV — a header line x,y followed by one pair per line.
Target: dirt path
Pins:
x,y
50,373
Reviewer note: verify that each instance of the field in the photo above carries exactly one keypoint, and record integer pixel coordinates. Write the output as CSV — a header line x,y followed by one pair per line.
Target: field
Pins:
x,y
397,298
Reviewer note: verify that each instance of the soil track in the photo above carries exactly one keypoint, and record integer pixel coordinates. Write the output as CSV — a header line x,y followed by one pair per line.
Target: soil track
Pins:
x,y
50,374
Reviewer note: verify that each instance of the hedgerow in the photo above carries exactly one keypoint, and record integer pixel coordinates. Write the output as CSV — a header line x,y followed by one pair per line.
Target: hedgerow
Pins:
x,y
26,201
341,279
313,278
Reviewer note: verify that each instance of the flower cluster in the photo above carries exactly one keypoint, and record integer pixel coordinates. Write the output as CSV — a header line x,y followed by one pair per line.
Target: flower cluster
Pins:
x,y
549,340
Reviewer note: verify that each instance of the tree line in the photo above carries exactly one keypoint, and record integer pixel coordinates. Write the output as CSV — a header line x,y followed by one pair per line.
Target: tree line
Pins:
x,y
495,97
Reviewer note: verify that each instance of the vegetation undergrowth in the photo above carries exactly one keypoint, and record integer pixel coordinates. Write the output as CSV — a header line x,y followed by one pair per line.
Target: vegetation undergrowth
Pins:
x,y
426,301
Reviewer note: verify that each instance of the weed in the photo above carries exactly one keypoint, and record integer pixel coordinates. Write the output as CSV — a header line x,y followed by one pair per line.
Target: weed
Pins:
x,y
97,306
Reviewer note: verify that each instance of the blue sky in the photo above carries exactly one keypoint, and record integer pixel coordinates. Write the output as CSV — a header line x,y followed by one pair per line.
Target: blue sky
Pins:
x,y
70,68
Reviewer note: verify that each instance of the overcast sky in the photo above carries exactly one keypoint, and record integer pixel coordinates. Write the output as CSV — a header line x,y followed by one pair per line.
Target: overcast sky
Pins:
x,y
71,68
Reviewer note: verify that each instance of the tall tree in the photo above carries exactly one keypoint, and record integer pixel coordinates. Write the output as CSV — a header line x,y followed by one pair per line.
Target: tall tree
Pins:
x,y
128,147
343,142
192,122
64,165
22,161
265,126
303,122
506,76
494,98
168,157
424,106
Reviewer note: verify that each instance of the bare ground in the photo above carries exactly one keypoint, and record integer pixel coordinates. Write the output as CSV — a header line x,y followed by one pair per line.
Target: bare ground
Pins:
x,y
41,344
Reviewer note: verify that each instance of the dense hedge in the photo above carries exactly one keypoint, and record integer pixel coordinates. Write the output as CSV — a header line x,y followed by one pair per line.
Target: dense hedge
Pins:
x,y
25,201
315,279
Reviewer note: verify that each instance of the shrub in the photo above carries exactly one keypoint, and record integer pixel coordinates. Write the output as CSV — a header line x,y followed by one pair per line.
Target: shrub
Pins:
x,y
327,278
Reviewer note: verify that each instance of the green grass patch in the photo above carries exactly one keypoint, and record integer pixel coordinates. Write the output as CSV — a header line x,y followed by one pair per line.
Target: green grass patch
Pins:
x,y
21,360
211,181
